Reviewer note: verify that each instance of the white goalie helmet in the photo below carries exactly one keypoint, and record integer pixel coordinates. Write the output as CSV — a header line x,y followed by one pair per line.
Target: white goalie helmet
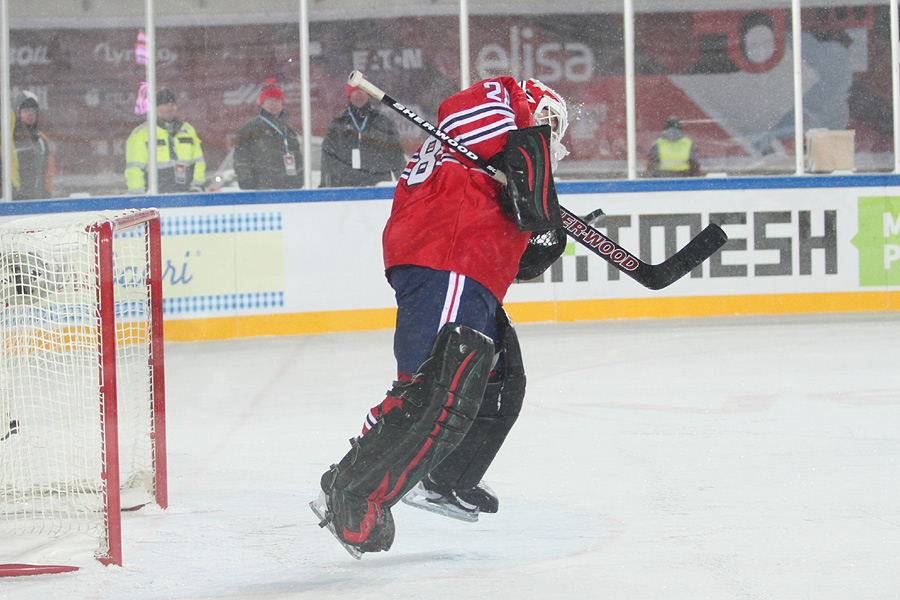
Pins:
x,y
548,108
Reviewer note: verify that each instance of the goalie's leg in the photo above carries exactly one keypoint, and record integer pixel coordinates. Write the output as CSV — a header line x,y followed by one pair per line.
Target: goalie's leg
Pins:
x,y
454,487
434,412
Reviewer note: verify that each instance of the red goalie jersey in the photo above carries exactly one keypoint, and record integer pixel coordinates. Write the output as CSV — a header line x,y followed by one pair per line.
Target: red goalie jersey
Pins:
x,y
446,213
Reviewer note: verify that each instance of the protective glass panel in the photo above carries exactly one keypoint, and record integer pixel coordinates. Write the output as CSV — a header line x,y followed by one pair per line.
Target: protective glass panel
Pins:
x,y
848,119
410,51
217,61
81,68
725,76
578,50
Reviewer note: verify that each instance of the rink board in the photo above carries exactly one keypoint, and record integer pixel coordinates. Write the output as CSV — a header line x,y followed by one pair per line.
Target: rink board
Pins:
x,y
267,263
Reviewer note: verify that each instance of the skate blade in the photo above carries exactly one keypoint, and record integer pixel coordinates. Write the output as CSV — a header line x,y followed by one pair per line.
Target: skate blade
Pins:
x,y
319,510
440,508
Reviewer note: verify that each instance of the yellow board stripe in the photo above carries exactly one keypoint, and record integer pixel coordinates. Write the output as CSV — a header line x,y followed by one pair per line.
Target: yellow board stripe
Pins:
x,y
701,306
58,340
282,324
528,312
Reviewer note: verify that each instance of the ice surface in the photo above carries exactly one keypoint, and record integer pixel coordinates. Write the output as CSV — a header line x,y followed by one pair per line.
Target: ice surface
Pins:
x,y
739,457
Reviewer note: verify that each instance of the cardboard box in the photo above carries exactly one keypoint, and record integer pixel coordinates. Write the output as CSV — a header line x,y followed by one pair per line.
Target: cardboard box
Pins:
x,y
828,150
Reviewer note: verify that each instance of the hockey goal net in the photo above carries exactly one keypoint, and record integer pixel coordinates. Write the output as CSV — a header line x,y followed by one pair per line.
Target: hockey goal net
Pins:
x,y
82,407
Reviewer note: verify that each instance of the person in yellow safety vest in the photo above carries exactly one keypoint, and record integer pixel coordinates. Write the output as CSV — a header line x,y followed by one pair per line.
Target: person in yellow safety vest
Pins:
x,y
179,156
673,154
14,167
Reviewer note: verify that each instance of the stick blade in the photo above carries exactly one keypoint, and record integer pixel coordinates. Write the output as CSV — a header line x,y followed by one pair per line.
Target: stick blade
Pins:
x,y
688,258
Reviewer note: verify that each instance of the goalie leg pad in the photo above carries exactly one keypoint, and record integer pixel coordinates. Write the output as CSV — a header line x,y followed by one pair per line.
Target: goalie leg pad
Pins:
x,y
501,406
436,411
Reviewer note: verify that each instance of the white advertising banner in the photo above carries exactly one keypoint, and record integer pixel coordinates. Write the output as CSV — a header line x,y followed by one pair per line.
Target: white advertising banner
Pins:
x,y
317,265
269,259
326,256
780,241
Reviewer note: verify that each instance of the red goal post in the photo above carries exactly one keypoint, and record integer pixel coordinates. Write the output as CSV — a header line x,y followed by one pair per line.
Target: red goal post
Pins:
x,y
82,389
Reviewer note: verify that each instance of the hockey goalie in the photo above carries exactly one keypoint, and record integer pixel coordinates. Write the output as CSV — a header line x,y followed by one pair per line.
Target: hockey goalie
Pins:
x,y
455,241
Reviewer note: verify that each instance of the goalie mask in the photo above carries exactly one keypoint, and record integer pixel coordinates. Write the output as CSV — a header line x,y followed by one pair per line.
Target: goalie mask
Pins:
x,y
548,108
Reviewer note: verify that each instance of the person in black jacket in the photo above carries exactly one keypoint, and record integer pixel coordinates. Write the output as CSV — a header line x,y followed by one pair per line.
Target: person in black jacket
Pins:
x,y
32,147
267,150
361,147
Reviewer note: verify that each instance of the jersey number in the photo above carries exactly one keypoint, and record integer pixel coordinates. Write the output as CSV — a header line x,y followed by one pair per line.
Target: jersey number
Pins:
x,y
496,91
428,153
424,166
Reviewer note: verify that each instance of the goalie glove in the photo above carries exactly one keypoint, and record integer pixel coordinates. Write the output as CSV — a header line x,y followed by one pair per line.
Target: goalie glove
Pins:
x,y
544,247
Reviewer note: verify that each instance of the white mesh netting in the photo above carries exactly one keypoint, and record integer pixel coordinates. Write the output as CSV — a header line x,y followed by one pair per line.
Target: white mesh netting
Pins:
x,y
52,449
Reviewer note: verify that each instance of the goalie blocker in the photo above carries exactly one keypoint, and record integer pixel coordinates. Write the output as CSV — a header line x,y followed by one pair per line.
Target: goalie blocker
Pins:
x,y
530,195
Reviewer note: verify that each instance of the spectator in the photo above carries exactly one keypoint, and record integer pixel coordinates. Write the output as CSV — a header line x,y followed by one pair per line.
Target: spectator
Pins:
x,y
32,147
673,154
179,156
362,146
267,152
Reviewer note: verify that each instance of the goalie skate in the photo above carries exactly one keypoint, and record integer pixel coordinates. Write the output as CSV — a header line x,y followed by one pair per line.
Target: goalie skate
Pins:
x,y
320,507
445,502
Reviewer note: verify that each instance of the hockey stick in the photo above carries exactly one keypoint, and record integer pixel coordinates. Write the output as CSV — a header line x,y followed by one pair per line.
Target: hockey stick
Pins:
x,y
655,277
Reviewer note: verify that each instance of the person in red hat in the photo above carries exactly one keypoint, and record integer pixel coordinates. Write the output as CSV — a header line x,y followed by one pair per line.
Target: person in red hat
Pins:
x,y
362,146
267,150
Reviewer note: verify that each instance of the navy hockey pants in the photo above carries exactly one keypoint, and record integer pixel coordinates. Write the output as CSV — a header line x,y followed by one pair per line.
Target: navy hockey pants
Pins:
x,y
429,299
